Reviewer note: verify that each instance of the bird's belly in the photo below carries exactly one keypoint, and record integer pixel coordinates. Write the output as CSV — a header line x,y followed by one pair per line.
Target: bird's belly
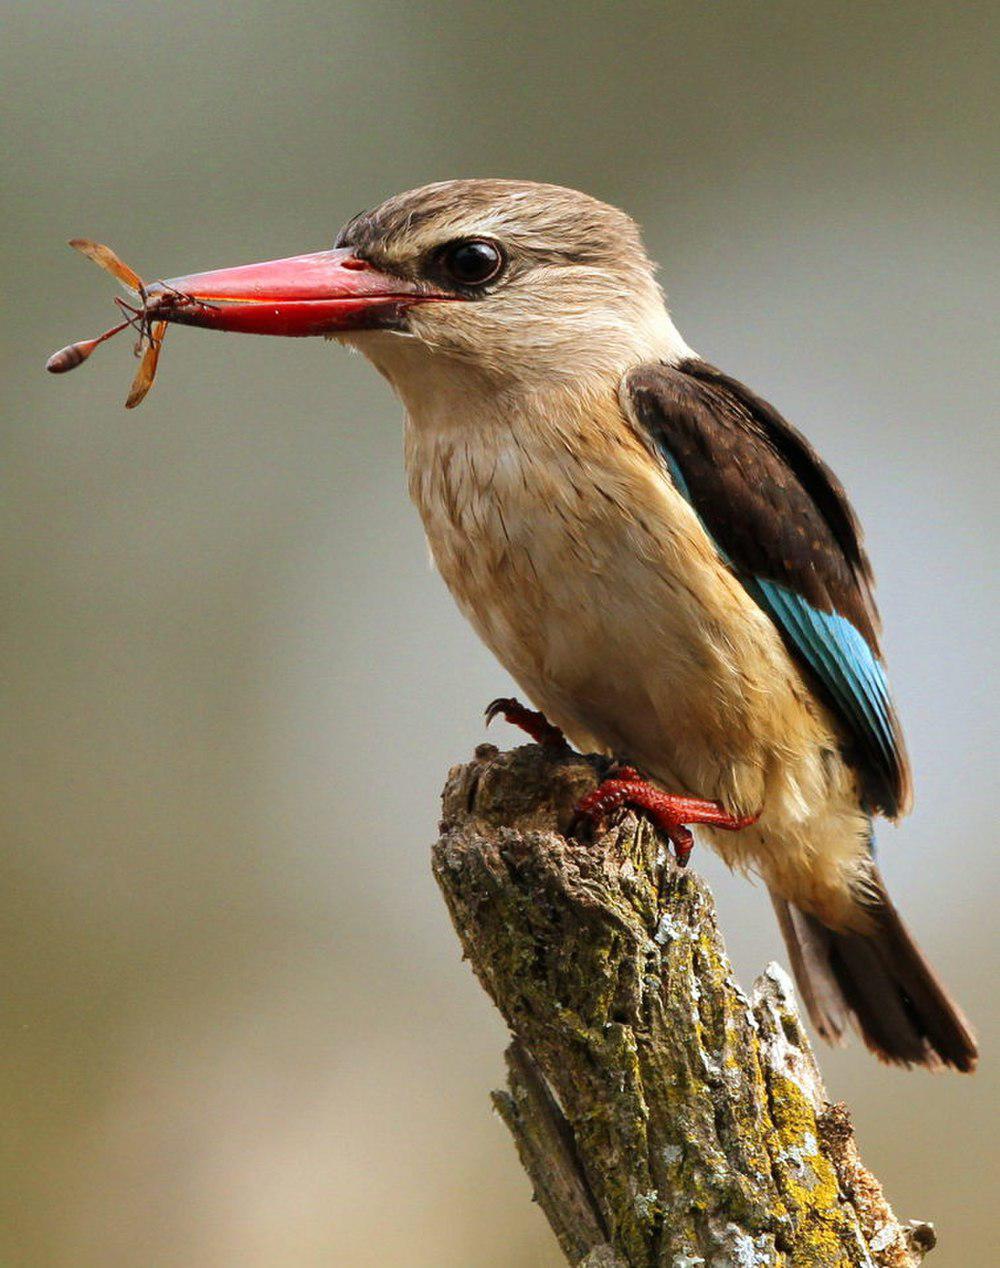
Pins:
x,y
595,584
678,676
632,635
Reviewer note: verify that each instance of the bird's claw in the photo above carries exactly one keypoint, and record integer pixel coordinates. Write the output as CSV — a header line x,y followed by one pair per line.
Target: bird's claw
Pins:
x,y
534,723
671,813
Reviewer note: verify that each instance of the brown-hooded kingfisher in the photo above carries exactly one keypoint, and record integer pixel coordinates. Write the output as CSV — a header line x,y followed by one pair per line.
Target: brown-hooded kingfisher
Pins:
x,y
663,563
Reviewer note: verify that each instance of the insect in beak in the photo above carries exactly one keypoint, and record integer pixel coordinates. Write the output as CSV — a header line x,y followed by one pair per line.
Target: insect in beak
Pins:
x,y
139,317
323,293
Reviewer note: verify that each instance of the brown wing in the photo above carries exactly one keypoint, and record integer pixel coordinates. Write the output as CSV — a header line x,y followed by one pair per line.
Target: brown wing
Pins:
x,y
782,520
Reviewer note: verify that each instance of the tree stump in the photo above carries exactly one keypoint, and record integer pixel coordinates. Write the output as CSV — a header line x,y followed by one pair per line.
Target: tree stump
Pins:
x,y
664,1119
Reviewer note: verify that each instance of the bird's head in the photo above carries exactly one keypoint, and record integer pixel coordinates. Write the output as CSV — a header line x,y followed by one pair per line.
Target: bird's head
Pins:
x,y
543,284
515,284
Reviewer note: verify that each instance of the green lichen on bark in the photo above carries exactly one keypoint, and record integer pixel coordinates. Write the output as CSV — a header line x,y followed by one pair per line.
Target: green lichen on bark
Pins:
x,y
665,1119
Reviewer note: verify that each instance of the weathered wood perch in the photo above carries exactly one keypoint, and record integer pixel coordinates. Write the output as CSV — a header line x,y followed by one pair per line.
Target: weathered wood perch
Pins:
x,y
664,1119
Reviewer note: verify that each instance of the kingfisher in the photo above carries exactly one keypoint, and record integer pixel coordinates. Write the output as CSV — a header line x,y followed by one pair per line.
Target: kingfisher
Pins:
x,y
665,565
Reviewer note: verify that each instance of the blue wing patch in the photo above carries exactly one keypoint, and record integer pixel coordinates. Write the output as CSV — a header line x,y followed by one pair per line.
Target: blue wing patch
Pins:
x,y
841,659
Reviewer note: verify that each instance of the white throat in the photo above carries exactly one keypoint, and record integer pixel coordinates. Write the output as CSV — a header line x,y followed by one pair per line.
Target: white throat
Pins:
x,y
442,389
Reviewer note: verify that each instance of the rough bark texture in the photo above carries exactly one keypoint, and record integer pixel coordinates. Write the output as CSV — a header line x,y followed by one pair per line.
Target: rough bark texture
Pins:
x,y
664,1119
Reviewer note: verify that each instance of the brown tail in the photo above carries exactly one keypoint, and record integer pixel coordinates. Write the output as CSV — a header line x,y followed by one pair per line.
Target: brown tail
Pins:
x,y
881,983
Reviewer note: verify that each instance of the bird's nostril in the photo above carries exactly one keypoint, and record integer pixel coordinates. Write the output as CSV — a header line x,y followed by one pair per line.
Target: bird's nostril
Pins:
x,y
352,262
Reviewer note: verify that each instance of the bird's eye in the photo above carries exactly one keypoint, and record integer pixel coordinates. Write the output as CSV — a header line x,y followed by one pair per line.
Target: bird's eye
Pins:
x,y
472,262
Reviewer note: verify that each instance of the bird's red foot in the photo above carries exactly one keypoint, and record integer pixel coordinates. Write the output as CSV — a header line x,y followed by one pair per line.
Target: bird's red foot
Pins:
x,y
670,812
534,723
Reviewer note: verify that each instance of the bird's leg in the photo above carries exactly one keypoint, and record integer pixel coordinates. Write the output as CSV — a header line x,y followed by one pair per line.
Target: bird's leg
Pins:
x,y
669,811
536,724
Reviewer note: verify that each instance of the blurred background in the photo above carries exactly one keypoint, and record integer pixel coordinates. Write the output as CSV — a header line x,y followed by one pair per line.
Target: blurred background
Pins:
x,y
236,1029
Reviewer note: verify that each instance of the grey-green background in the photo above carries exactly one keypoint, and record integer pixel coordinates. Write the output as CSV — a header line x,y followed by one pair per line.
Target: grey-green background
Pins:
x,y
235,1026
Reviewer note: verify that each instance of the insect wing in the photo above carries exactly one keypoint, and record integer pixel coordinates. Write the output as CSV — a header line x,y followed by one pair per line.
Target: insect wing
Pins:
x,y
107,259
146,373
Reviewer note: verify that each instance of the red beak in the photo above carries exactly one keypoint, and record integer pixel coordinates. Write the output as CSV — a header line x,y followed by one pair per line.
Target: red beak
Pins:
x,y
316,294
